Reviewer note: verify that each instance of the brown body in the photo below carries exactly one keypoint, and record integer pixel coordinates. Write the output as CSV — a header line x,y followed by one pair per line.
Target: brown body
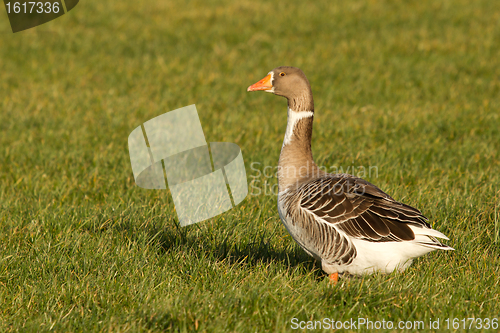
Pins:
x,y
343,221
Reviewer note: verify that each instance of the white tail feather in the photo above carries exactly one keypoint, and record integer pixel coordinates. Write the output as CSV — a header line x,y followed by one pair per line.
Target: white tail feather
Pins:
x,y
427,232
424,237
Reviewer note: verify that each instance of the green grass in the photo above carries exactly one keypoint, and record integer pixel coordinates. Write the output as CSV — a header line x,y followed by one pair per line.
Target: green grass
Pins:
x,y
409,87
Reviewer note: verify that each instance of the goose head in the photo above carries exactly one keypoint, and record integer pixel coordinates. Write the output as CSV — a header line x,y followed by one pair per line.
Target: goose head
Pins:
x,y
291,83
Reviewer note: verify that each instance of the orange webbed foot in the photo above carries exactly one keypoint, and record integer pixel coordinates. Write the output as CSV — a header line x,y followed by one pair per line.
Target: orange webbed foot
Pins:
x,y
334,278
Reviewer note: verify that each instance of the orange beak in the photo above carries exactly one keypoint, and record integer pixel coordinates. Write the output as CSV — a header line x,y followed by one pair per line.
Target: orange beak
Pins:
x,y
264,84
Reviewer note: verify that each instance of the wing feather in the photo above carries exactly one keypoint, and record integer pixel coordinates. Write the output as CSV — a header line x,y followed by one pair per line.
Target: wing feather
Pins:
x,y
328,211
360,209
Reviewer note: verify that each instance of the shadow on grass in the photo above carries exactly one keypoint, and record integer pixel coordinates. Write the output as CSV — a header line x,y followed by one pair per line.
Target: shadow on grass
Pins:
x,y
253,250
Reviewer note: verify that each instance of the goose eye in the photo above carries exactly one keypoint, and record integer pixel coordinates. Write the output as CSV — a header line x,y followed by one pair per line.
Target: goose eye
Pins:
x,y
282,74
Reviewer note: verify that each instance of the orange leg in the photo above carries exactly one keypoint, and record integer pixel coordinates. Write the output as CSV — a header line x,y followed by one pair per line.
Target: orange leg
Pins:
x,y
334,278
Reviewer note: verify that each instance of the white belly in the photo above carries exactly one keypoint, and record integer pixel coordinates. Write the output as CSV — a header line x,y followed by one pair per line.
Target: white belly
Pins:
x,y
384,257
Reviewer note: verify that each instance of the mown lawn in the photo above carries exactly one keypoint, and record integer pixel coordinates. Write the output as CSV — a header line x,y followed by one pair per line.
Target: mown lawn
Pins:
x,y
407,91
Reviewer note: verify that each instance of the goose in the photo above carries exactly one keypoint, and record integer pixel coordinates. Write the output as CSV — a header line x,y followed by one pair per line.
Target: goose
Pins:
x,y
346,223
